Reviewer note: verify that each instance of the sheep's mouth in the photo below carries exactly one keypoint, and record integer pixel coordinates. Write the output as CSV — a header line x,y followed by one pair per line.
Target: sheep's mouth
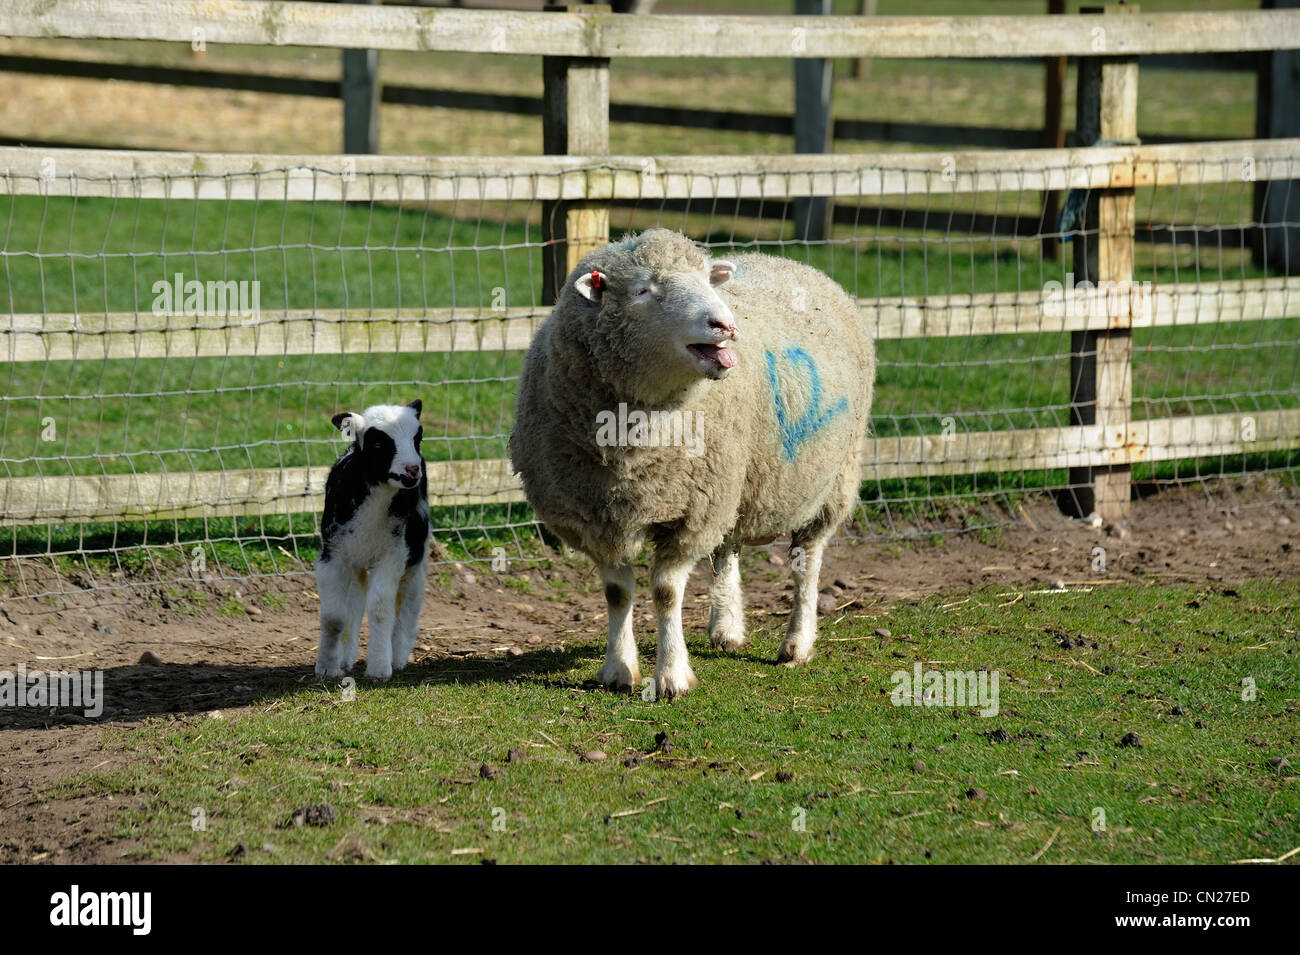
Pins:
x,y
714,354
406,480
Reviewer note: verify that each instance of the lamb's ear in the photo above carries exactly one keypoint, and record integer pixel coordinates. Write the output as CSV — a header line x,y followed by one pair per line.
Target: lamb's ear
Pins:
x,y
591,285
721,271
417,406
350,424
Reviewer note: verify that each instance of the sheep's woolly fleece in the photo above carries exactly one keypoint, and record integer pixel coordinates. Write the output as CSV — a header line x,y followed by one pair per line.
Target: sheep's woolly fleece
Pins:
x,y
781,433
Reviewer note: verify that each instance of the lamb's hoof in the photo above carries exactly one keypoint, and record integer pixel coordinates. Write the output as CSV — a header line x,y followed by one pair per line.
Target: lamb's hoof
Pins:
x,y
669,686
325,672
789,656
379,673
729,642
619,678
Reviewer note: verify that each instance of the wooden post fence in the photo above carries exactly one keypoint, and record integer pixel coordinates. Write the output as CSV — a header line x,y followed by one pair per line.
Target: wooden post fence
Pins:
x,y
360,93
575,122
1101,367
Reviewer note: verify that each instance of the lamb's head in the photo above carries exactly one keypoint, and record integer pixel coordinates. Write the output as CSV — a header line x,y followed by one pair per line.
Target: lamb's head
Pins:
x,y
658,313
387,440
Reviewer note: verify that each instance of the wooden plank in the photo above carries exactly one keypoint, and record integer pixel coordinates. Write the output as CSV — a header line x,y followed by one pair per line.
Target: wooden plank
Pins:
x,y
1034,449
96,336
233,176
1053,310
127,335
133,497
233,493
343,26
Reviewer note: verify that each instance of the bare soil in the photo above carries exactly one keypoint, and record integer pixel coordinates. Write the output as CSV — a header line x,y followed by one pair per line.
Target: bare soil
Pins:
x,y
208,660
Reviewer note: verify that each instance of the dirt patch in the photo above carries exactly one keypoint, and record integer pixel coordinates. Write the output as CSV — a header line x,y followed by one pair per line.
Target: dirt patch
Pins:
x,y
209,655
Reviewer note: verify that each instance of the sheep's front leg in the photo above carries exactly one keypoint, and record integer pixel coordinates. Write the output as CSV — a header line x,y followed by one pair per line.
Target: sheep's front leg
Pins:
x,y
801,633
726,606
381,604
673,674
621,672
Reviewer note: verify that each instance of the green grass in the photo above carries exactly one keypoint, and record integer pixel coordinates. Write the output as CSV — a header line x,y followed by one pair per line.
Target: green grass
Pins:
x,y
757,748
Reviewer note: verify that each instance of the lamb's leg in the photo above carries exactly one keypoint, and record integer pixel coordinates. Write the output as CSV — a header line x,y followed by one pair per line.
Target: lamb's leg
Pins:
x,y
673,674
726,606
621,672
381,611
410,598
352,622
332,580
802,630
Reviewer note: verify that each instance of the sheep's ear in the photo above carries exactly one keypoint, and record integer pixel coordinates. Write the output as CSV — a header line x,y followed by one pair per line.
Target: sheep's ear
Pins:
x,y
721,271
417,406
350,424
591,285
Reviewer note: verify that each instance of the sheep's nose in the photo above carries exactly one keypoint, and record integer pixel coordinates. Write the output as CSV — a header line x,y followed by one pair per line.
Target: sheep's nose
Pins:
x,y
724,325
413,470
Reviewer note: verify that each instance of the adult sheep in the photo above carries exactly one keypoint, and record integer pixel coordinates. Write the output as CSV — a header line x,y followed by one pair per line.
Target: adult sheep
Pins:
x,y
697,404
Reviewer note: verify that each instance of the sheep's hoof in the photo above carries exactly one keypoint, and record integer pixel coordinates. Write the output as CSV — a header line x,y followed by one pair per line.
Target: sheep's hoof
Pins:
x,y
618,678
327,672
377,674
670,686
791,657
730,642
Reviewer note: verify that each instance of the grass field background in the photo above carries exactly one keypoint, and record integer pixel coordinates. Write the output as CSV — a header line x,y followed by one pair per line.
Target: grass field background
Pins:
x,y
1122,736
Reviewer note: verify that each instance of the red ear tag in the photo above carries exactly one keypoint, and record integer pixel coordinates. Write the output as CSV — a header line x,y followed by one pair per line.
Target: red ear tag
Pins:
x,y
597,281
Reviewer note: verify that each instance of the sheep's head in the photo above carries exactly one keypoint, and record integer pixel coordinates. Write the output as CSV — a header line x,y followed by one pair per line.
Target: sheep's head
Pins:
x,y
387,439
658,308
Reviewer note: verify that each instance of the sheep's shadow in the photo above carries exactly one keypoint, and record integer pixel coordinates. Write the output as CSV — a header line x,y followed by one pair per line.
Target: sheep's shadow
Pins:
x,y
137,692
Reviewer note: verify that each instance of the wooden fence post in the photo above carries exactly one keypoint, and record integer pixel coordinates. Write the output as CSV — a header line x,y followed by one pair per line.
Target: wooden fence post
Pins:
x,y
360,93
1276,243
1101,366
575,122
813,128
1053,134
861,67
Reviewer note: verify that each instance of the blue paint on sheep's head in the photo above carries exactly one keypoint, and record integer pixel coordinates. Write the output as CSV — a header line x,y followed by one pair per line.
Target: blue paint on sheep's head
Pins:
x,y
661,326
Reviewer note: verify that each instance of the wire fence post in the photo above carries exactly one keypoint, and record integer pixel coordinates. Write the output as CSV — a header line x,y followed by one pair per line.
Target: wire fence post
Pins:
x,y
575,122
1101,361
360,93
1053,134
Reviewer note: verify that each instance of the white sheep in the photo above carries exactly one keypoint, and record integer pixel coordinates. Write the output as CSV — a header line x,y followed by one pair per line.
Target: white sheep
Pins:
x,y
374,542
696,404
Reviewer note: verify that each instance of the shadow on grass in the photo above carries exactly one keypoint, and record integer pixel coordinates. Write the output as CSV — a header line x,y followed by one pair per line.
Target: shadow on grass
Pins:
x,y
133,693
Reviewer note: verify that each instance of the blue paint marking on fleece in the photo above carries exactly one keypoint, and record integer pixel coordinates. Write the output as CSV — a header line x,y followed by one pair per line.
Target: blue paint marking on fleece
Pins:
x,y
793,434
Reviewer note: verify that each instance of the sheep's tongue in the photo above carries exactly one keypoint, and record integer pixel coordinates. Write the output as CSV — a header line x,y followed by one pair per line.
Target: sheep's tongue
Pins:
x,y
726,357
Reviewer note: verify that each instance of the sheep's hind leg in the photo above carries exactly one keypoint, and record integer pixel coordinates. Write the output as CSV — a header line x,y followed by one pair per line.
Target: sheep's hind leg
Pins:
x,y
726,605
673,674
801,633
410,598
621,672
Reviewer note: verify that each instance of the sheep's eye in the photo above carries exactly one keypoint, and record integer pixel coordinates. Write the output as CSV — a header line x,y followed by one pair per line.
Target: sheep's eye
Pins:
x,y
642,293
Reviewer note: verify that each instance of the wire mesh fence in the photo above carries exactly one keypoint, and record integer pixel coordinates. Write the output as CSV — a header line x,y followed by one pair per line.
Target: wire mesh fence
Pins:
x,y
178,341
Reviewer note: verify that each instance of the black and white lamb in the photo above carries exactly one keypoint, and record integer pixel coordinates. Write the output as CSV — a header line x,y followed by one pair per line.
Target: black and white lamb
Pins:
x,y
374,542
